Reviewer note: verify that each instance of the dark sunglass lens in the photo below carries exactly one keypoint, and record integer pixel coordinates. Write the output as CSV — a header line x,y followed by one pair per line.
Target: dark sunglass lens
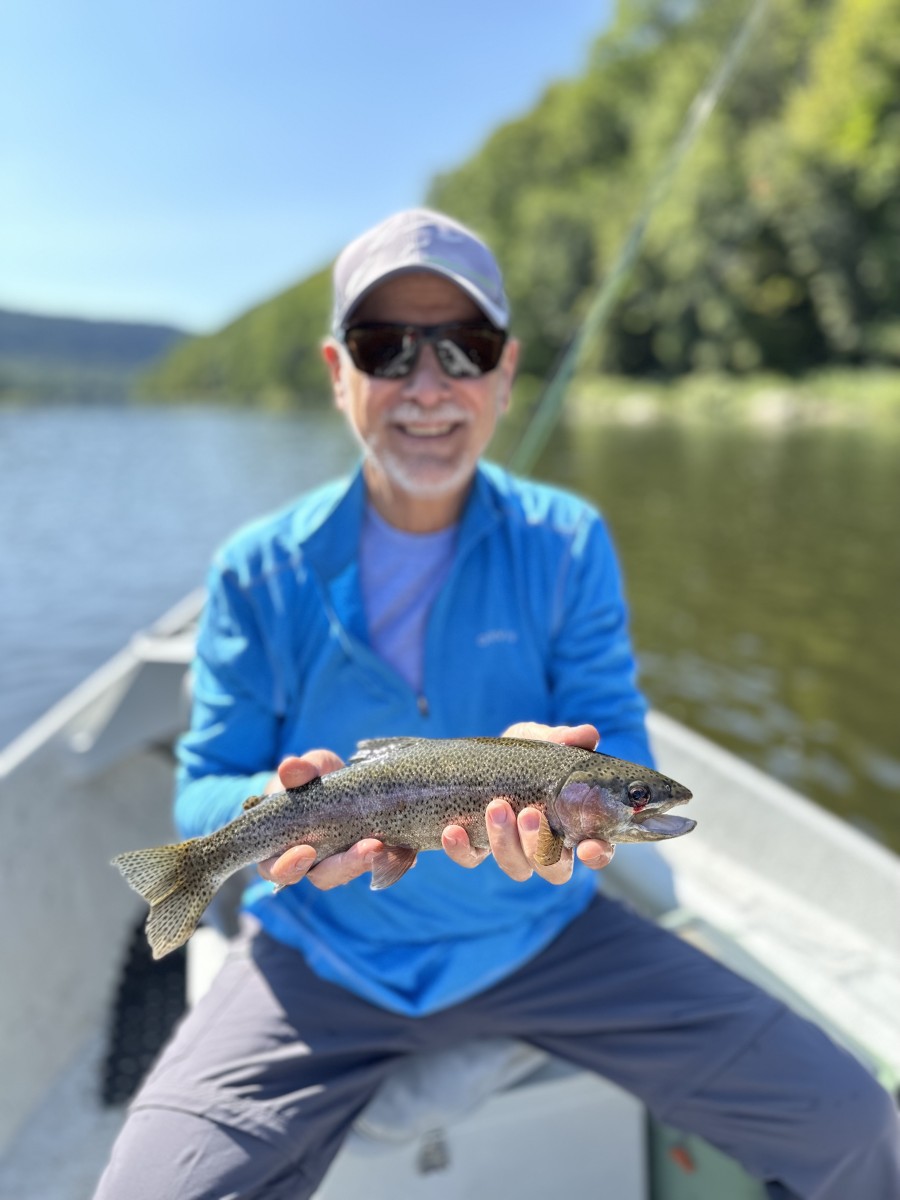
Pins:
x,y
388,353
470,352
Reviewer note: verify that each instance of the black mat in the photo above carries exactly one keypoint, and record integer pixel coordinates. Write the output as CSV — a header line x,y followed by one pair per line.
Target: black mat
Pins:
x,y
149,1000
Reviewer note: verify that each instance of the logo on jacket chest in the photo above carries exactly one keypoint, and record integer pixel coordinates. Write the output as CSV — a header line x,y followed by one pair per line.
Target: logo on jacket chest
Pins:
x,y
496,637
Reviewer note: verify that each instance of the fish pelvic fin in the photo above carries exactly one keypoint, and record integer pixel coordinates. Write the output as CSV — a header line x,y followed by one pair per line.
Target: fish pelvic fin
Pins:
x,y
177,886
390,864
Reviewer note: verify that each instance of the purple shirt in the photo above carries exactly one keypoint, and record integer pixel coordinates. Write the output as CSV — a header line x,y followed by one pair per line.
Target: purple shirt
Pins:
x,y
401,574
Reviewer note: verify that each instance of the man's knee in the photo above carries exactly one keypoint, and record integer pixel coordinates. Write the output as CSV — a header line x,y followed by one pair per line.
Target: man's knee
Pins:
x,y
795,1107
859,1120
849,1135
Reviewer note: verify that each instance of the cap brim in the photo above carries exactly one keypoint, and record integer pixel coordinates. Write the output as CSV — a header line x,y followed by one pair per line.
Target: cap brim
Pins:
x,y
497,316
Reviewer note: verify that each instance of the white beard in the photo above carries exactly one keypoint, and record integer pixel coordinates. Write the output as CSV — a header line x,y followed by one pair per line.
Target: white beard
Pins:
x,y
424,480
418,474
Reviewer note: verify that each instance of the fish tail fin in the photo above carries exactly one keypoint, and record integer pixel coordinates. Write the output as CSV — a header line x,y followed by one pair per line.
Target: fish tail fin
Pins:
x,y
176,884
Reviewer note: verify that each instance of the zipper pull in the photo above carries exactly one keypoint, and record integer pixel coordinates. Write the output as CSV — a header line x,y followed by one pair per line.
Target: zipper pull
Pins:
x,y
422,706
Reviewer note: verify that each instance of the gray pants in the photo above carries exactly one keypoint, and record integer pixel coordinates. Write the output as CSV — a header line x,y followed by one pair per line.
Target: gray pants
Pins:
x,y
254,1094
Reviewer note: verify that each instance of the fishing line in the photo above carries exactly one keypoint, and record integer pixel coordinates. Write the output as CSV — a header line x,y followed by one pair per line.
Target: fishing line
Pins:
x,y
549,405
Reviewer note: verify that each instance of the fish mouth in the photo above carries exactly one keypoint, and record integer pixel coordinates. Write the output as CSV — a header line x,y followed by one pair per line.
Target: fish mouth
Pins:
x,y
663,824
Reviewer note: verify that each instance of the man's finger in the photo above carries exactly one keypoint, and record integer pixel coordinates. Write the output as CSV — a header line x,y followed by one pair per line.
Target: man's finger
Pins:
x,y
289,867
506,844
456,843
596,854
292,773
338,869
295,771
585,736
529,824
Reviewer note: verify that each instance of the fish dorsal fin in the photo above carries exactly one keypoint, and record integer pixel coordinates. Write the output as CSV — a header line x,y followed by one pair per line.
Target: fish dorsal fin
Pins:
x,y
390,864
376,748
252,801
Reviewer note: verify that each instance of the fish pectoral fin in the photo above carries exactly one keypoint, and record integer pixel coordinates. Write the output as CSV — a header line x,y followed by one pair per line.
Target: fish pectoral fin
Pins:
x,y
252,801
374,748
549,845
390,864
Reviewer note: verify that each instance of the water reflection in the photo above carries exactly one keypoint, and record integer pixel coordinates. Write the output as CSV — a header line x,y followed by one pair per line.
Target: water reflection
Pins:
x,y
764,574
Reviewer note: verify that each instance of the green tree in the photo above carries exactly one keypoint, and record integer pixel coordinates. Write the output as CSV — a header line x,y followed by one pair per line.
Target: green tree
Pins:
x,y
777,244
271,353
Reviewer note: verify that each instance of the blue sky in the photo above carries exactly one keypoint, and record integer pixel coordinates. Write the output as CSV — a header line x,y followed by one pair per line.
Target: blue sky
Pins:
x,y
180,161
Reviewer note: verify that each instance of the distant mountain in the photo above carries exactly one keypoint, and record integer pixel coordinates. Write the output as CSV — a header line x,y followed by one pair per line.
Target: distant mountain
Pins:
x,y
74,340
69,358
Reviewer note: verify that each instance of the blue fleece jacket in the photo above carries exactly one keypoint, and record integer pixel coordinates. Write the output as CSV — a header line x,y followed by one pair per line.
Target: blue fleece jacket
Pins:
x,y
530,626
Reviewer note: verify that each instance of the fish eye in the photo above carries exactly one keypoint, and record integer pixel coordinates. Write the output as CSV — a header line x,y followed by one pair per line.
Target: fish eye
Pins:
x,y
638,793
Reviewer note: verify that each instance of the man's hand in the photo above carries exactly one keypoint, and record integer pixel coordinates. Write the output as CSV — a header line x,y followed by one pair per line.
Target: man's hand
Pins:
x,y
297,863
513,843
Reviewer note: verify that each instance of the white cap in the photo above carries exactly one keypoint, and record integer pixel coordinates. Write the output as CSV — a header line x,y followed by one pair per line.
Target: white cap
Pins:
x,y
418,240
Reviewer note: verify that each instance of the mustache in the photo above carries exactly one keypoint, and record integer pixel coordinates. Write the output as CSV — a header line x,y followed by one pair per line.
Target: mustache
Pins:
x,y
410,413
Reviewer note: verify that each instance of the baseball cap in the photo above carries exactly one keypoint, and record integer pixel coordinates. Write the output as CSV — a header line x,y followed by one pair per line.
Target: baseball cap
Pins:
x,y
418,239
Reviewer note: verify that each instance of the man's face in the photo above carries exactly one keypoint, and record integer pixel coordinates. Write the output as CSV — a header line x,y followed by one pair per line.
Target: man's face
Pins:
x,y
422,434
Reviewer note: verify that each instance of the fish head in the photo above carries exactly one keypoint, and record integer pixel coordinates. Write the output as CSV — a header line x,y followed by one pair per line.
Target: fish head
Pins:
x,y
619,802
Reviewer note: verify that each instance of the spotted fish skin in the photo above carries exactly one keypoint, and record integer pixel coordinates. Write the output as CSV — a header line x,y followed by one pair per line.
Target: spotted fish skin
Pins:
x,y
404,792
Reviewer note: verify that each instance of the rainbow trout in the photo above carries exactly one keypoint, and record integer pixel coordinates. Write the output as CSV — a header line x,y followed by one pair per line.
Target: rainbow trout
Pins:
x,y
405,791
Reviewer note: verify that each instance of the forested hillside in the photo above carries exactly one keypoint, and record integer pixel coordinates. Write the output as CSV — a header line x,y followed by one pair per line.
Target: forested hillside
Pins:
x,y
271,353
777,247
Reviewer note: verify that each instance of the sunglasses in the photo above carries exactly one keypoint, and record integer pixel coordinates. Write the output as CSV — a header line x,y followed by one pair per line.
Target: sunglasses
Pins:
x,y
465,349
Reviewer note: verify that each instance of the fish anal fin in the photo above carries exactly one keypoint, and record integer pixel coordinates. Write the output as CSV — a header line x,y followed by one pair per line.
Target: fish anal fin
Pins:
x,y
390,864
252,801
549,845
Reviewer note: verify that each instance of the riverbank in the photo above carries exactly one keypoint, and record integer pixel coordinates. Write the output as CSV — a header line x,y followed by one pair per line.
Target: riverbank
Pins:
x,y
835,397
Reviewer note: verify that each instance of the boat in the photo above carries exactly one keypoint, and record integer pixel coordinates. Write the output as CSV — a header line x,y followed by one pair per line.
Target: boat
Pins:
x,y
769,883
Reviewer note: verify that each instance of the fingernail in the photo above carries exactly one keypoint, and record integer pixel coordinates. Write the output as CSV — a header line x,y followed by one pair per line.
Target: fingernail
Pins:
x,y
499,815
602,860
531,822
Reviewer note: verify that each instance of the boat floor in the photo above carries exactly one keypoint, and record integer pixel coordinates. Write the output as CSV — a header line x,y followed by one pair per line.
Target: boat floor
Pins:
x,y
61,1151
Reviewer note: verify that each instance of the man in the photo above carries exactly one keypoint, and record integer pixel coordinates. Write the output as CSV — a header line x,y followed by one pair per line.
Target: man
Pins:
x,y
436,595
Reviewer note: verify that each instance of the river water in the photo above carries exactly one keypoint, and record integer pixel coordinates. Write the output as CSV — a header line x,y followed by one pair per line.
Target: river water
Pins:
x,y
763,566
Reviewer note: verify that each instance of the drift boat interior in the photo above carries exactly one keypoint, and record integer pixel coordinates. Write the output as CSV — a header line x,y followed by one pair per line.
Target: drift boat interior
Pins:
x,y
768,882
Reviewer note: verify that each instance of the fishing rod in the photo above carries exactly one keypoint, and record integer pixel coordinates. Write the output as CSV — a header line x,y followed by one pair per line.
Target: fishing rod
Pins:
x,y
549,404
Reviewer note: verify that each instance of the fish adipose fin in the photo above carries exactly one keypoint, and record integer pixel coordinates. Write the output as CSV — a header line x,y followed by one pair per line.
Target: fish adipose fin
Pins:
x,y
177,888
252,801
549,845
391,864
